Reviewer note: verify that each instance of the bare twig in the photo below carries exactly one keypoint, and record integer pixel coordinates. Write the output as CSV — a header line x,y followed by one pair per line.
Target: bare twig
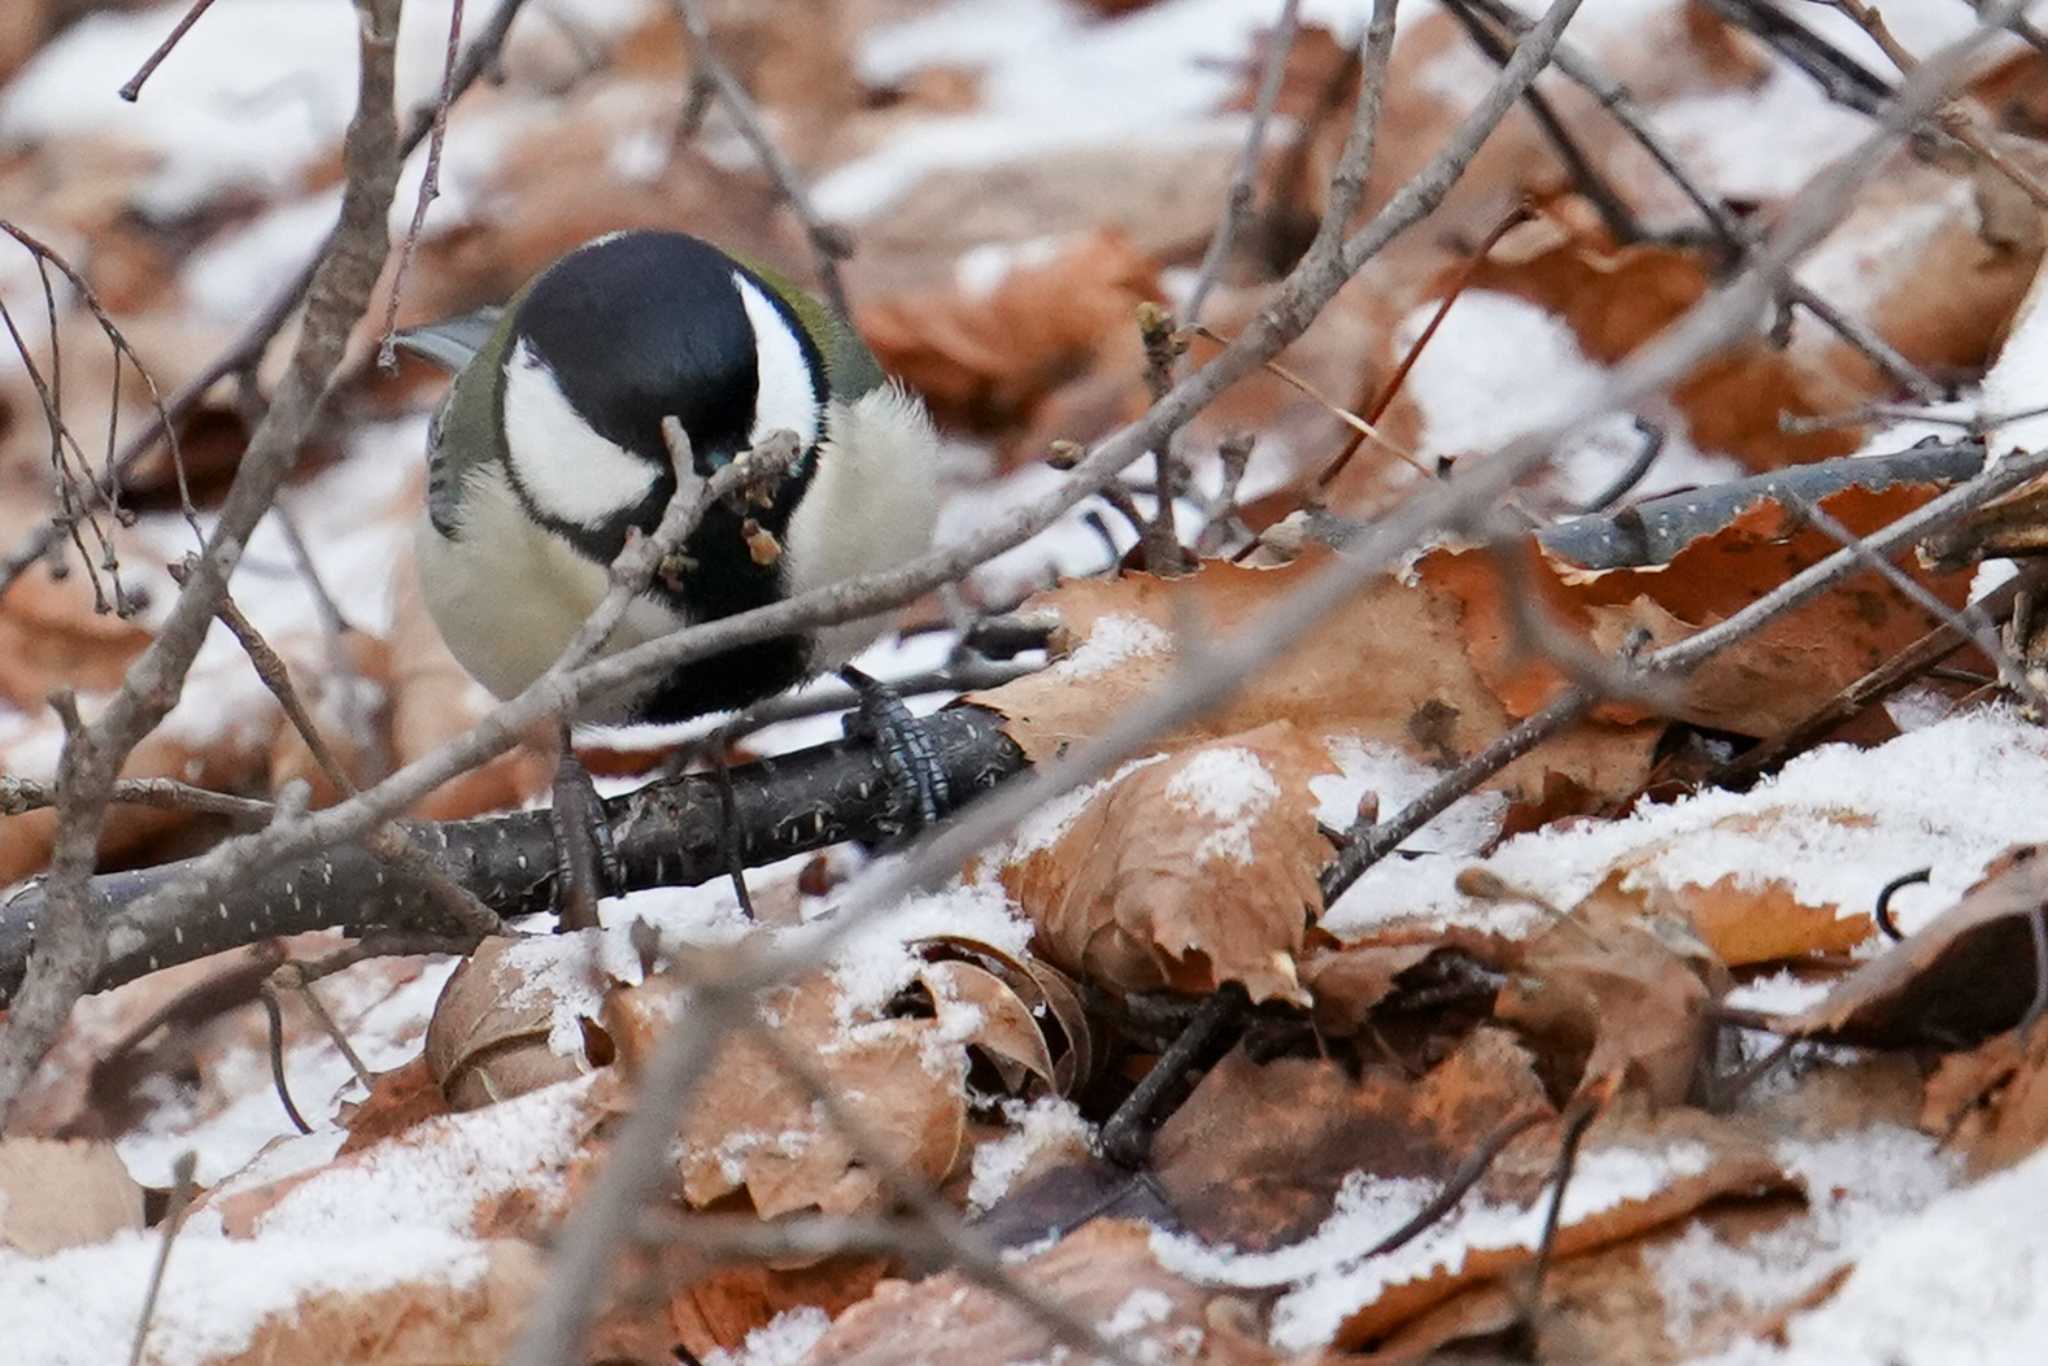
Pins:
x,y
19,796
132,91
1520,213
182,1189
69,952
430,190
247,349
1237,204
1970,621
267,993
292,977
1875,686
829,242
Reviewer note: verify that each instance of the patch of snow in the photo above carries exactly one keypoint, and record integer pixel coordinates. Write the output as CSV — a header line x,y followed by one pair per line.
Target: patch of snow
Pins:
x,y
1397,778
2014,384
874,960
784,1340
1042,1123
1937,797
1229,787
441,1171
385,1034
79,1307
1328,1280
1528,364
1960,1282
1858,1185
1112,641
1761,143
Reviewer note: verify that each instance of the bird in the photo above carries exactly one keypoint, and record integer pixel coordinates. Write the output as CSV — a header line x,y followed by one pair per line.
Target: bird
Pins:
x,y
547,451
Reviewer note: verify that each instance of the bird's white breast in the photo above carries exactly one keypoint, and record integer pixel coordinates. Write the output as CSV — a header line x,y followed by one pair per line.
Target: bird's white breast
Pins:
x,y
870,506
508,595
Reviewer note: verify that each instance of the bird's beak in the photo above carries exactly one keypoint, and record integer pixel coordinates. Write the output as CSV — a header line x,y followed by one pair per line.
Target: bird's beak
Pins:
x,y
452,342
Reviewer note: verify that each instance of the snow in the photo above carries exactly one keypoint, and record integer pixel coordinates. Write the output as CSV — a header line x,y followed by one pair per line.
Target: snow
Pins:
x,y
1858,1185
1040,1124
1528,364
1230,787
874,960
2015,384
1396,778
1958,1283
385,1034
1113,640
80,1307
1328,1280
1833,827
443,1171
1761,143
253,98
784,1340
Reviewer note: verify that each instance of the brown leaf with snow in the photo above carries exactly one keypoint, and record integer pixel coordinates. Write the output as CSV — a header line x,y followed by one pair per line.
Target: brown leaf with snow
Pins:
x,y
1103,1274
496,1029
1256,1155
1637,1168
755,1129
1188,873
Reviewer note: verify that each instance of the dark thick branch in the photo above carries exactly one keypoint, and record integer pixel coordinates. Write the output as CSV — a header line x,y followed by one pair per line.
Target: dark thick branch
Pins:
x,y
668,834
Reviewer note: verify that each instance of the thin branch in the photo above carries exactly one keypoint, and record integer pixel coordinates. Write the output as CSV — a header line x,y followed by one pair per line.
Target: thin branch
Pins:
x,y
70,952
1237,203
1970,621
19,796
430,190
1880,683
182,1190
246,350
132,91
829,242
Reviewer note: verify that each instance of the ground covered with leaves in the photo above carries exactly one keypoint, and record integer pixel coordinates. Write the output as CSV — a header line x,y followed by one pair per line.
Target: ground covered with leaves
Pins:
x,y
1608,928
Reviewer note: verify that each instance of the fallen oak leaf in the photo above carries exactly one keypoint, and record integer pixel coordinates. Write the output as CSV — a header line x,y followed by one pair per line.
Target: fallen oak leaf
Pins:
x,y
1256,1156
755,1129
1187,873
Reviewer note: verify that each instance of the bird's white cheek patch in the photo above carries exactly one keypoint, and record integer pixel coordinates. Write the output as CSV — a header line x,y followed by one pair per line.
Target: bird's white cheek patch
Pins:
x,y
568,470
785,398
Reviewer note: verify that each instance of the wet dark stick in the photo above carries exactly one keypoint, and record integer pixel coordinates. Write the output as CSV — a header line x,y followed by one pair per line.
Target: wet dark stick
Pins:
x,y
1127,1137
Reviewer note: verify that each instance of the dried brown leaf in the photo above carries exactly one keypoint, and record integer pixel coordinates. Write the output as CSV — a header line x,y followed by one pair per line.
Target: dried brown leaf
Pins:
x,y
1255,1156
1189,873
490,1036
753,1128
56,1194
1091,1273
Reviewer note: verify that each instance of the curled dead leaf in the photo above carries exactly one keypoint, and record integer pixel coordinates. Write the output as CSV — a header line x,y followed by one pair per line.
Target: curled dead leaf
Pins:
x,y
498,1030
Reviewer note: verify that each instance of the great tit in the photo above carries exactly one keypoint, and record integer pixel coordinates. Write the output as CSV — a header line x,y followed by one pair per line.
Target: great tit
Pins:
x,y
548,449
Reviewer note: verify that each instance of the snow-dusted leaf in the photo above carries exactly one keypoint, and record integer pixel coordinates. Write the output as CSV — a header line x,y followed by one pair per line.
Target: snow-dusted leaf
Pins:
x,y
1188,873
